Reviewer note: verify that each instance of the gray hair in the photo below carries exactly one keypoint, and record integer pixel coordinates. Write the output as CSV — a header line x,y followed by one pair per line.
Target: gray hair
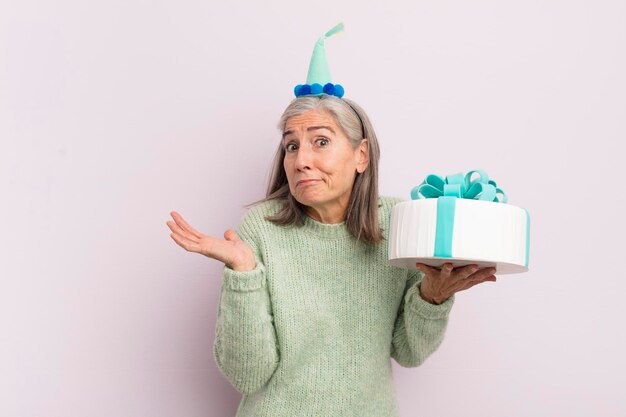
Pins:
x,y
362,212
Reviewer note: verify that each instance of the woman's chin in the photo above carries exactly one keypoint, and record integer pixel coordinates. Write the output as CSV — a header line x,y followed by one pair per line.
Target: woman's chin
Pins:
x,y
308,199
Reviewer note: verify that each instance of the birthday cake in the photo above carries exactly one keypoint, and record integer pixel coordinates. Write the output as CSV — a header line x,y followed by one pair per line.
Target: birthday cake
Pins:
x,y
459,220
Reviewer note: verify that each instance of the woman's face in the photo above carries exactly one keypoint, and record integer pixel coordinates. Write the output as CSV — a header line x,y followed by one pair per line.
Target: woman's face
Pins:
x,y
319,161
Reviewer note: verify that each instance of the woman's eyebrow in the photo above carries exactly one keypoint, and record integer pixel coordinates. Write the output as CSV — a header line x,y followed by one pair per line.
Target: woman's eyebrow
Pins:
x,y
289,132
321,127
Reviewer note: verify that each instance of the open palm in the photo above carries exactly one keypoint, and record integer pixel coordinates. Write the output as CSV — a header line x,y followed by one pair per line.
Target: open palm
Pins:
x,y
233,252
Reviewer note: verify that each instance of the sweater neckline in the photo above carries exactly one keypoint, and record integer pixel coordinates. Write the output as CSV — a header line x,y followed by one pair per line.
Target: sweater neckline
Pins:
x,y
330,231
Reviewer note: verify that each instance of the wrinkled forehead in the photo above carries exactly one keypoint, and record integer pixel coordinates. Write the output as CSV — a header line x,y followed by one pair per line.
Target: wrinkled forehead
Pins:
x,y
309,119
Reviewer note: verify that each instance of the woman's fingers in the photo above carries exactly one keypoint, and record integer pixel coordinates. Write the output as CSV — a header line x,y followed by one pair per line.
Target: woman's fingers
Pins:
x,y
231,235
482,274
466,271
184,225
449,280
446,270
187,244
181,232
233,252
193,241
470,284
428,270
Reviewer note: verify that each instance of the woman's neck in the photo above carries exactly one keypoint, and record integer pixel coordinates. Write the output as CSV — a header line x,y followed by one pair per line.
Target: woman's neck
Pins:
x,y
328,215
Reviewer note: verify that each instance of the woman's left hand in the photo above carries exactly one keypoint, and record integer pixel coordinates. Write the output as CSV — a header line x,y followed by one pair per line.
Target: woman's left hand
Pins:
x,y
440,284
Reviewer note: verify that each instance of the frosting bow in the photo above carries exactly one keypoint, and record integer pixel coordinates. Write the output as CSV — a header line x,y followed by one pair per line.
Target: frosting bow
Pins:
x,y
460,186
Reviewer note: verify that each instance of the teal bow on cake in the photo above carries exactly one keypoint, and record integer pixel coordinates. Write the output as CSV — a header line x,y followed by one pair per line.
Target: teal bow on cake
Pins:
x,y
447,191
460,186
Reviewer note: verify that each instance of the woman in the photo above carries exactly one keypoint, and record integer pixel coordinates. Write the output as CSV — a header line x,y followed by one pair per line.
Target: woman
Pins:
x,y
310,311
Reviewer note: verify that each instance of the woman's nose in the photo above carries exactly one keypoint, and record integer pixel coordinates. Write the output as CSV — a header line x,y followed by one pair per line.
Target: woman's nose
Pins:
x,y
304,158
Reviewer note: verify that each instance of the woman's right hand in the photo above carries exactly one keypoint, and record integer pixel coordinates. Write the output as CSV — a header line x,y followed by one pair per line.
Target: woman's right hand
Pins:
x,y
233,252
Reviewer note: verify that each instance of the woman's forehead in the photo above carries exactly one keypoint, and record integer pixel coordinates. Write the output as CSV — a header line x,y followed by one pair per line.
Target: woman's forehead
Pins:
x,y
309,119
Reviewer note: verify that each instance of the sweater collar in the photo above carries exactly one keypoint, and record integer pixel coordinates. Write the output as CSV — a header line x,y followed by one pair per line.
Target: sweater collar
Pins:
x,y
329,231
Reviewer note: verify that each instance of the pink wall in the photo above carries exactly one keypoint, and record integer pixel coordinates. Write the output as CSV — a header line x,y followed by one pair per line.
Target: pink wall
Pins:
x,y
112,114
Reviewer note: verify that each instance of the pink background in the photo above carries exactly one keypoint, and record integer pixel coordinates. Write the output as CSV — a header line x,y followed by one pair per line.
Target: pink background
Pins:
x,y
114,113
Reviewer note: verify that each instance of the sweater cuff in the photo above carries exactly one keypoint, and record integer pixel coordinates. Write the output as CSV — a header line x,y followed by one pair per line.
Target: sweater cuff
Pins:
x,y
426,309
243,281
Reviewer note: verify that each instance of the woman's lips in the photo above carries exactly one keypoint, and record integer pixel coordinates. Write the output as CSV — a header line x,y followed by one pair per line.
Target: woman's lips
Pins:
x,y
305,182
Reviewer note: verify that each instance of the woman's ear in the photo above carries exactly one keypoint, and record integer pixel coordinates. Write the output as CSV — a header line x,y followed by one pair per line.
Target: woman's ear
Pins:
x,y
363,155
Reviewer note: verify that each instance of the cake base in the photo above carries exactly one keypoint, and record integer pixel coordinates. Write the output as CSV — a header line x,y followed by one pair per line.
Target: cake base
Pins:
x,y
501,267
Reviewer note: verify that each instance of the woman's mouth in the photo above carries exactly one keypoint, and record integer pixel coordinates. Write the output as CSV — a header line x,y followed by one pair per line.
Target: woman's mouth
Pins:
x,y
306,182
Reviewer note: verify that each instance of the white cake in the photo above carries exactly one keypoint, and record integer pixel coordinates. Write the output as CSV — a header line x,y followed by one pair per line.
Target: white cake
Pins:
x,y
469,232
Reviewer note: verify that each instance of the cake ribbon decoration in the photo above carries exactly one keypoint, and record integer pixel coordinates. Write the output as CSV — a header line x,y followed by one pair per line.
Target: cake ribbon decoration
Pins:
x,y
447,191
459,186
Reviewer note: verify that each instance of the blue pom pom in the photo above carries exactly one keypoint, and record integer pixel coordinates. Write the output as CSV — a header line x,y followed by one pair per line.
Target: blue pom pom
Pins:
x,y
305,90
329,89
339,90
316,88
297,89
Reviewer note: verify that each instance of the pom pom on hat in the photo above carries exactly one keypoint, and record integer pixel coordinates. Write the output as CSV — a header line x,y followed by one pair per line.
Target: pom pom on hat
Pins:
x,y
305,90
339,90
316,88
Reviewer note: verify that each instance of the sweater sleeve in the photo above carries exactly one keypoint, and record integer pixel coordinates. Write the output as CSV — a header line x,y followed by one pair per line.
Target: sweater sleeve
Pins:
x,y
420,325
245,347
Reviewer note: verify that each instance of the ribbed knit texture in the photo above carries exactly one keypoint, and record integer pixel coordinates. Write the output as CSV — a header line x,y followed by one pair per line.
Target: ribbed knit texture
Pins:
x,y
310,331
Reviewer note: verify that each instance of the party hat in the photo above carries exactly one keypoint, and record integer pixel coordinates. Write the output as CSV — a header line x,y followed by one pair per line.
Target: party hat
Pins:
x,y
318,80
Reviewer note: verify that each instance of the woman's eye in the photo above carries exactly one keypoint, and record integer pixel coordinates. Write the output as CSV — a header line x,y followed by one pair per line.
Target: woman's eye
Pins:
x,y
322,141
290,147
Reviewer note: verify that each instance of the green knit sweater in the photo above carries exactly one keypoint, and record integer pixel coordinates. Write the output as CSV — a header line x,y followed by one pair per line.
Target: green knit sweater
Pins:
x,y
311,330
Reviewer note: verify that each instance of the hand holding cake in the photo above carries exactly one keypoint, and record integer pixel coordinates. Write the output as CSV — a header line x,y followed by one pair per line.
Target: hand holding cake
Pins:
x,y
440,284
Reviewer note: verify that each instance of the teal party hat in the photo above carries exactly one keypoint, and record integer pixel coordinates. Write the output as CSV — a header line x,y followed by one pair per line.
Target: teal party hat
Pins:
x,y
318,80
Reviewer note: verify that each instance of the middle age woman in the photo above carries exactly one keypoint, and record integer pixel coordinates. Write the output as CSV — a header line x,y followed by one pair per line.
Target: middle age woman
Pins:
x,y
310,310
